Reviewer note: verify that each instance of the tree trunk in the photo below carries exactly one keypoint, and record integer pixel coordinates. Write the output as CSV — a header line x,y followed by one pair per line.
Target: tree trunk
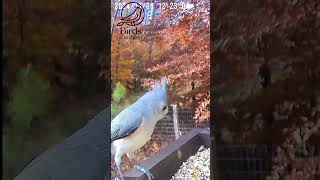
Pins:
x,y
21,20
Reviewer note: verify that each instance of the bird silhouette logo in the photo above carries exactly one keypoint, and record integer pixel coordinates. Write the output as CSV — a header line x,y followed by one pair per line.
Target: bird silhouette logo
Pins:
x,y
131,17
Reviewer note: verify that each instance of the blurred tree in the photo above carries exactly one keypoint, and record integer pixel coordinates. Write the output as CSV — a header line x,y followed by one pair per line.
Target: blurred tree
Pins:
x,y
88,32
121,63
31,88
119,93
53,36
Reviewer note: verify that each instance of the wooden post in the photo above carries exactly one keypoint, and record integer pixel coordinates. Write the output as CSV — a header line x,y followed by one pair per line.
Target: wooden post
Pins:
x,y
175,120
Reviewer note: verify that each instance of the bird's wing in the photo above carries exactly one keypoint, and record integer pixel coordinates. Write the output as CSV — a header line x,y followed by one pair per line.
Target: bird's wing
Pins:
x,y
125,123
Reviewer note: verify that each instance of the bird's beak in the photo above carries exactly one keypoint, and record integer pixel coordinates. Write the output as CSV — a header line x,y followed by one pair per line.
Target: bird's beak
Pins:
x,y
165,117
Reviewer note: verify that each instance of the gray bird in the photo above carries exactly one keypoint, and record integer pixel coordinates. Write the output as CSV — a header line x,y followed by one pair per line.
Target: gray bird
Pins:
x,y
133,126
82,156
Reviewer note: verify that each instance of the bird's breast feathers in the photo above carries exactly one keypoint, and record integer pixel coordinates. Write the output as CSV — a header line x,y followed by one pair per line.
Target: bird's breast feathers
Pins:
x,y
136,140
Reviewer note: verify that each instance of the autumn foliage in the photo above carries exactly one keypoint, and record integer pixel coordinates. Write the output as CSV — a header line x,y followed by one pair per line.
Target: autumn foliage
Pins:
x,y
284,37
176,45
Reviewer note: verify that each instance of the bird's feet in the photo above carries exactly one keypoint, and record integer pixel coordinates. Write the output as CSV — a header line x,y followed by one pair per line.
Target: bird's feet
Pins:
x,y
147,172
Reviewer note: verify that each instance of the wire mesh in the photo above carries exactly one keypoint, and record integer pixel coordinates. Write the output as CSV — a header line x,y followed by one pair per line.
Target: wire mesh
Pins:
x,y
244,162
249,162
164,130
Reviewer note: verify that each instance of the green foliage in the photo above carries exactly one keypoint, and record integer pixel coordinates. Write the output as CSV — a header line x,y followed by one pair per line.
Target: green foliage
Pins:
x,y
9,149
30,98
12,155
119,92
117,107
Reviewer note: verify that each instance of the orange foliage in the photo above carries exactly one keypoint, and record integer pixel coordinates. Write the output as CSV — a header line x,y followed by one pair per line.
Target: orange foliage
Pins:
x,y
176,45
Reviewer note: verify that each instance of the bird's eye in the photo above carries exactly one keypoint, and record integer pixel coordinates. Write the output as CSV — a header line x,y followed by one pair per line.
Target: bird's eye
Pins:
x,y
164,108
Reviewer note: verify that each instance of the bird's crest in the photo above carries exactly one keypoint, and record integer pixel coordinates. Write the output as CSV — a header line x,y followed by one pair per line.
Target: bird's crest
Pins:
x,y
161,84
161,87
